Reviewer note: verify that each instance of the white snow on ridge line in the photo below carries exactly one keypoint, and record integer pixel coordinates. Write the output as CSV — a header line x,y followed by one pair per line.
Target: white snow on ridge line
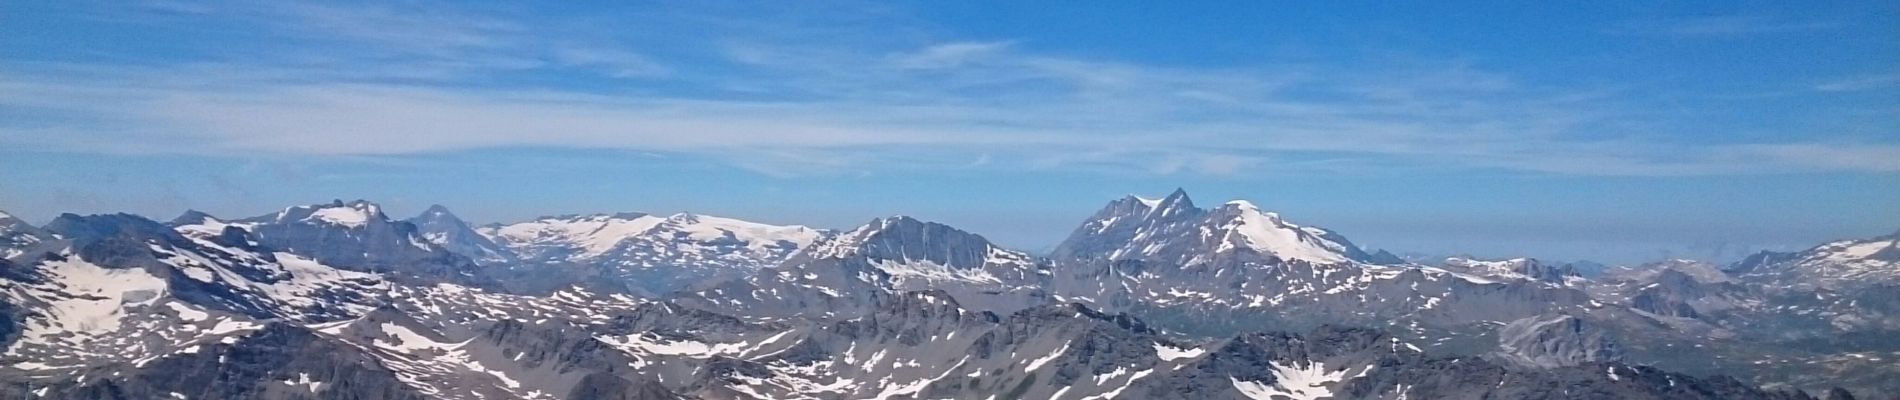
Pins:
x,y
345,216
1266,232
1150,203
705,228
593,234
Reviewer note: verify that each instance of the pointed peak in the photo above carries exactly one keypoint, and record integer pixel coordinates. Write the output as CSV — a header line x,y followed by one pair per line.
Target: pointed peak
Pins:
x,y
1178,194
192,217
1144,201
1175,202
437,214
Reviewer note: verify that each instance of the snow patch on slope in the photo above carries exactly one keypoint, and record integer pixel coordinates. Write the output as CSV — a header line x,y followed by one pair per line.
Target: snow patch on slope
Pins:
x,y
1267,233
593,235
1310,382
1170,353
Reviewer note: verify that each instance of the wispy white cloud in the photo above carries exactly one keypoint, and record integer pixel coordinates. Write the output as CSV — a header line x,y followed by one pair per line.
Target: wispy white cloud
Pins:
x,y
1719,26
426,82
1862,82
949,55
615,62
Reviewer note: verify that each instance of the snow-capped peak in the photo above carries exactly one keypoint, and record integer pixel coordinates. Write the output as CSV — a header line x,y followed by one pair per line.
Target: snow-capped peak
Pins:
x,y
1246,226
1175,204
1173,229
354,214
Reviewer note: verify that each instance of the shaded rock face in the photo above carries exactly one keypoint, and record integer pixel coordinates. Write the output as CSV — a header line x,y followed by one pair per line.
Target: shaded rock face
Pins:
x,y
907,239
1560,341
278,362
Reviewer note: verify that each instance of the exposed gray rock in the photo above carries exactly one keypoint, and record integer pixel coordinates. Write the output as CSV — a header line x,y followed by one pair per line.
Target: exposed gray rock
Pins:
x,y
1556,341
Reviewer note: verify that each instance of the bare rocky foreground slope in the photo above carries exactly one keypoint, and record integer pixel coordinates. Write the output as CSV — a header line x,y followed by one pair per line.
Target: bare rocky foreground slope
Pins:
x,y
1148,299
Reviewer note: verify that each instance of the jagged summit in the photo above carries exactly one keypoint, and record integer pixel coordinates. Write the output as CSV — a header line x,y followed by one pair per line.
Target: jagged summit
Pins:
x,y
905,239
1175,203
1174,230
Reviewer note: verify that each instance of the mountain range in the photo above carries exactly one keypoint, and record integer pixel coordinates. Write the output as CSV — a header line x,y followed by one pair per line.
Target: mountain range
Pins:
x,y
1146,299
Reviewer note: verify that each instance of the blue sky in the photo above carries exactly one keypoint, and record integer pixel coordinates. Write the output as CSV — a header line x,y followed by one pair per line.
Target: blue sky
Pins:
x,y
1618,131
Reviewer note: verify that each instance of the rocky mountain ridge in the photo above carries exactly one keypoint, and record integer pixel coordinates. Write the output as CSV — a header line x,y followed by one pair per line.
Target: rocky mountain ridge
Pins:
x,y
1150,299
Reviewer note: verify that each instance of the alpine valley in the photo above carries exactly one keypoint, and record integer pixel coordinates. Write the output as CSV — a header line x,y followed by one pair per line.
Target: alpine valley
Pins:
x,y
1146,299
